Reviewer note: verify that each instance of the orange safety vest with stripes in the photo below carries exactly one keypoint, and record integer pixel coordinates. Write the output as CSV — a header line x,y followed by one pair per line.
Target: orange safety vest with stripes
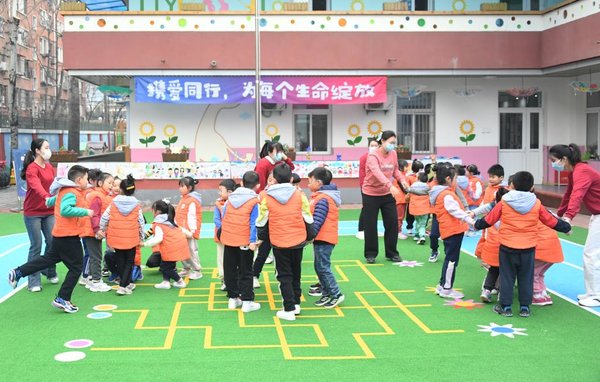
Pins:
x,y
174,245
519,231
181,214
286,223
67,226
123,232
449,225
86,222
235,225
329,230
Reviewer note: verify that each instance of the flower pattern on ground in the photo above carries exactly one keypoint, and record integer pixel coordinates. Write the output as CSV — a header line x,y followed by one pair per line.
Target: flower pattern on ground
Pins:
x,y
409,264
496,330
466,304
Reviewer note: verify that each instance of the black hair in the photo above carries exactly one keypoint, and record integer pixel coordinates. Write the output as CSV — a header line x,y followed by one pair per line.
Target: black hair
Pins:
x,y
423,177
36,144
189,182
443,172
500,193
322,174
510,179
93,175
268,147
523,181
371,139
295,178
76,171
386,135
571,152
460,169
473,169
128,185
250,179
282,173
496,170
102,177
165,208
229,184
416,166
402,163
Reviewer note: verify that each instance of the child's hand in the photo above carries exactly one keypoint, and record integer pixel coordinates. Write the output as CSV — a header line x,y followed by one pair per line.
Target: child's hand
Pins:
x,y
471,214
252,247
395,191
90,213
100,235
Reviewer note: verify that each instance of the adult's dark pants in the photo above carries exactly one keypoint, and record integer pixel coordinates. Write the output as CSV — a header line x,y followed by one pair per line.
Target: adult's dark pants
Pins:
x,y
387,205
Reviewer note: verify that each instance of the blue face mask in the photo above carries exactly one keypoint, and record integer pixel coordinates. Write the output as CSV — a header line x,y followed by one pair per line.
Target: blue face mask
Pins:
x,y
557,166
390,147
278,157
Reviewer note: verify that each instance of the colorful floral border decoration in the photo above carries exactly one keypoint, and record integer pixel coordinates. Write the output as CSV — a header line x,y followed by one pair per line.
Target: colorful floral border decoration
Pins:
x,y
354,133
147,134
466,128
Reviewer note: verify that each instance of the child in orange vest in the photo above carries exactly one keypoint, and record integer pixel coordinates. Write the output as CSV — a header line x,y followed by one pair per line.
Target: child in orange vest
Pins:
x,y
416,167
475,185
106,268
521,213
324,204
452,220
238,235
66,244
496,178
123,226
547,253
172,244
93,175
98,199
285,220
401,197
263,256
226,187
189,216
419,206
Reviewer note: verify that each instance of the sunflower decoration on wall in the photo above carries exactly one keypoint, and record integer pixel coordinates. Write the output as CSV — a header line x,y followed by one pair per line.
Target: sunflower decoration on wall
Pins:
x,y
147,131
169,131
375,128
354,133
272,131
467,127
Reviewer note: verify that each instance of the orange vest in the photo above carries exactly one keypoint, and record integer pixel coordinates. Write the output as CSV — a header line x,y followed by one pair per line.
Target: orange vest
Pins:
x,y
419,205
449,225
64,226
286,224
235,225
490,251
402,196
219,207
329,230
473,181
490,194
123,232
174,246
466,195
138,256
181,213
519,231
548,245
86,222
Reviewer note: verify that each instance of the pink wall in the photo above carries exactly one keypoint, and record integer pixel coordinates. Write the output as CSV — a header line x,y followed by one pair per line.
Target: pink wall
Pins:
x,y
483,156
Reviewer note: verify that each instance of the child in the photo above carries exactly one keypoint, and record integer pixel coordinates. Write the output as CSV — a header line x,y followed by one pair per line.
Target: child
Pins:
x,y
172,244
452,220
520,212
93,175
401,197
416,168
285,220
189,216
98,199
496,177
123,226
263,257
296,181
547,253
226,187
238,235
116,190
475,186
420,206
66,244
325,201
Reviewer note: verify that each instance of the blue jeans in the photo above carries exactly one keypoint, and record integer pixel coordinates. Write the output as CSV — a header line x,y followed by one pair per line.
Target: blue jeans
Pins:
x,y
329,285
36,226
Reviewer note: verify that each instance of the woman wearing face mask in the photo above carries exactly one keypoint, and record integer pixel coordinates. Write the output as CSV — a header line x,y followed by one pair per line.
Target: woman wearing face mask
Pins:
x,y
378,194
39,219
583,186
362,172
271,155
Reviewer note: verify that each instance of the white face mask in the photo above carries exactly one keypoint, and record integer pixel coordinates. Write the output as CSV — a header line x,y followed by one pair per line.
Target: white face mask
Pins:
x,y
46,155
373,149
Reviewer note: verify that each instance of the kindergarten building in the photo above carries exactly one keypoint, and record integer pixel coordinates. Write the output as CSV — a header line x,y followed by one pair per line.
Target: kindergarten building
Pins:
x,y
479,82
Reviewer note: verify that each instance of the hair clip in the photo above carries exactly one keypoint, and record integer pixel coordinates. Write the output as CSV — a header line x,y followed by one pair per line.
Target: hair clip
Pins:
x,y
130,188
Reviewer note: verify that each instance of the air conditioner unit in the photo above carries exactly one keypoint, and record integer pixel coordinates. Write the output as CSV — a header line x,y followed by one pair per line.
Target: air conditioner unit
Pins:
x,y
380,106
3,66
268,108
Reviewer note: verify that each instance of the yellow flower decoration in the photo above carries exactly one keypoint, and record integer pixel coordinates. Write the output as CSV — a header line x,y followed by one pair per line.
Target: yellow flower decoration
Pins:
x,y
467,127
170,130
354,130
375,128
271,131
149,126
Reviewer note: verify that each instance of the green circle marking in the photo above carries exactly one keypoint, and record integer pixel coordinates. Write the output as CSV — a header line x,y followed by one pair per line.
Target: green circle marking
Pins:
x,y
182,22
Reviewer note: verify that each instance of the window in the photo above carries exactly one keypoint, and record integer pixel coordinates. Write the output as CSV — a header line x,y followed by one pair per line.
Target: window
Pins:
x,y
3,94
22,37
415,118
2,25
592,136
312,130
33,22
22,6
44,20
44,46
511,131
506,100
60,55
20,65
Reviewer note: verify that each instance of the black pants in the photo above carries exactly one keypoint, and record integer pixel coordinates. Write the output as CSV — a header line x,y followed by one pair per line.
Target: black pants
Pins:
x,y
154,260
169,270
237,269
387,205
261,257
410,219
452,250
67,250
288,264
516,264
491,278
124,259
361,217
434,234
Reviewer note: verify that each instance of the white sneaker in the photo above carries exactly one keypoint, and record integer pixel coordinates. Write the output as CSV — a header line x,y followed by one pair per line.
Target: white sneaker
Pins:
x,y
255,283
53,280
415,238
402,236
35,289
297,309
250,306
450,293
131,286
410,232
184,272
360,235
269,260
590,301
179,284
438,289
223,286
234,303
195,275
99,286
84,281
288,316
582,296
123,291
164,285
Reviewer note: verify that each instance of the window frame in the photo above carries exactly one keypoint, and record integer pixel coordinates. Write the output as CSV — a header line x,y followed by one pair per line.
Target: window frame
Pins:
x,y
311,112
413,113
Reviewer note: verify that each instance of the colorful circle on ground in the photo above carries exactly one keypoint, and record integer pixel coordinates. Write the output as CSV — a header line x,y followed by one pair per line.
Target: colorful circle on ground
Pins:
x,y
104,307
69,356
99,315
79,344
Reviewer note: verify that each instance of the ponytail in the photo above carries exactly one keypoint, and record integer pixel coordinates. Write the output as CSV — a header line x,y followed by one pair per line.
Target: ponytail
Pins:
x,y
163,207
571,152
128,185
188,182
473,169
36,144
171,214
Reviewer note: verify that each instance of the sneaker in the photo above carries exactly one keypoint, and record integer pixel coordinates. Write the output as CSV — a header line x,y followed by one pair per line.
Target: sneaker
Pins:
x,y
415,238
360,235
113,278
450,293
494,291
234,303
179,284
590,301
195,275
288,316
316,292
314,286
13,279
410,232
123,291
163,285
184,272
332,303
297,309
395,259
486,296
84,281
269,260
421,241
505,311
255,283
402,236
131,286
35,289
524,311
98,286
582,296
370,260
105,273
438,289
250,306
224,287
433,257
53,280
541,300
66,306
322,301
